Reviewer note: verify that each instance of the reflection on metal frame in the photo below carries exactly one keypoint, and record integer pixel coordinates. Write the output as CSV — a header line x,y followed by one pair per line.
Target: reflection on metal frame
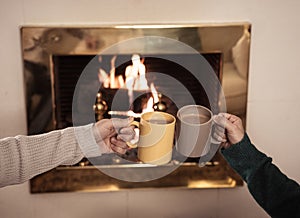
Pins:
x,y
90,179
39,43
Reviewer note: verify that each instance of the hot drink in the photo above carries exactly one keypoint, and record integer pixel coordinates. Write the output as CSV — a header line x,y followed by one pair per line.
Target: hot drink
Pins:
x,y
195,119
157,121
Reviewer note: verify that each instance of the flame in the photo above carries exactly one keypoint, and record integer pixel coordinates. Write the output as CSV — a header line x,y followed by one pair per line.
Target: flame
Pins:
x,y
121,81
110,81
154,93
149,106
135,75
103,77
113,81
135,79
152,100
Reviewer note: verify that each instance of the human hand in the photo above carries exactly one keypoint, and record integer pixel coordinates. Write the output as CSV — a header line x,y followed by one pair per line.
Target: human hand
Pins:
x,y
229,129
112,134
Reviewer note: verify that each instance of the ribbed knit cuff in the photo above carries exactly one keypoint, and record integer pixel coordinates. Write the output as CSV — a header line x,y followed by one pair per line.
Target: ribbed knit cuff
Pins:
x,y
244,158
87,142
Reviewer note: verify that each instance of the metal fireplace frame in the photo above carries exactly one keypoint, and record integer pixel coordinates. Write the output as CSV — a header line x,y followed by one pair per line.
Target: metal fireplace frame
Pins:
x,y
40,43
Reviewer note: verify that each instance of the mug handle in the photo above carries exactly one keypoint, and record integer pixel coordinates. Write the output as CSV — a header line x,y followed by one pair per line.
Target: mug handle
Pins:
x,y
130,143
212,140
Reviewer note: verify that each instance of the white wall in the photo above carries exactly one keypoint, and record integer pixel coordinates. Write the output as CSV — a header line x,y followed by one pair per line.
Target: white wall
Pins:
x,y
272,106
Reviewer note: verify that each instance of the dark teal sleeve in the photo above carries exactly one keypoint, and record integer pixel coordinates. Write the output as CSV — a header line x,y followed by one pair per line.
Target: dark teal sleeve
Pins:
x,y
278,195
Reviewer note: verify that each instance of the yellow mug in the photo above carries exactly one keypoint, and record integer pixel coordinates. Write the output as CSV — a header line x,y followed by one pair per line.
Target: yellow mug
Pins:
x,y
156,137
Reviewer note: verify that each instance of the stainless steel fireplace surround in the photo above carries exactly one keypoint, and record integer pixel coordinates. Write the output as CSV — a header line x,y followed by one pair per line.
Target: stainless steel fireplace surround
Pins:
x,y
226,47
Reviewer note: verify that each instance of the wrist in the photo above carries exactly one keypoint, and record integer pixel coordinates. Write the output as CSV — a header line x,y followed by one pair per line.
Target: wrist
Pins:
x,y
96,134
237,139
87,140
240,139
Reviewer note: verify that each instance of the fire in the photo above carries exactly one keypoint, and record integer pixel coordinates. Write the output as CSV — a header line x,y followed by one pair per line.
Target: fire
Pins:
x,y
110,81
149,106
135,79
152,100
154,93
135,75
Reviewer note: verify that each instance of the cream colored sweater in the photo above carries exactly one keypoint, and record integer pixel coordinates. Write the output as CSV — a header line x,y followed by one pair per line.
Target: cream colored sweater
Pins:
x,y
23,157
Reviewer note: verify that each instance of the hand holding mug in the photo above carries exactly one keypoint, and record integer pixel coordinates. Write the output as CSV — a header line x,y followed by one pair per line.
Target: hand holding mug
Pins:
x,y
112,134
229,129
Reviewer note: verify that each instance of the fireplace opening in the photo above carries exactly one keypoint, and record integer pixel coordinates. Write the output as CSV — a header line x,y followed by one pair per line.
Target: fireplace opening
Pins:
x,y
109,73
68,68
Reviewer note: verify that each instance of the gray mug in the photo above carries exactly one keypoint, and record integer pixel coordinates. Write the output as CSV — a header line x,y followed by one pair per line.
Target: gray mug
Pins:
x,y
193,130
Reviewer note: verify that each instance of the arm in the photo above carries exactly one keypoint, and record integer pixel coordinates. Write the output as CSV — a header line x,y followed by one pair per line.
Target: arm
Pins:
x,y
23,157
273,190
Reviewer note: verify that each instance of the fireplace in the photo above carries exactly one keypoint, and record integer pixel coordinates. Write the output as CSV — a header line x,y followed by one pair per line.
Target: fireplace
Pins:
x,y
54,59
66,75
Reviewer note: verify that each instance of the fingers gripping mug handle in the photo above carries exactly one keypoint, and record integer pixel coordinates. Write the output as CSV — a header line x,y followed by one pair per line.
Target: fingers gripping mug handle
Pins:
x,y
130,143
212,139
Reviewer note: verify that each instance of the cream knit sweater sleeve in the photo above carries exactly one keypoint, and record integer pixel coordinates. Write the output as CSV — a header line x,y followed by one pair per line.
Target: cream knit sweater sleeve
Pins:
x,y
23,157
